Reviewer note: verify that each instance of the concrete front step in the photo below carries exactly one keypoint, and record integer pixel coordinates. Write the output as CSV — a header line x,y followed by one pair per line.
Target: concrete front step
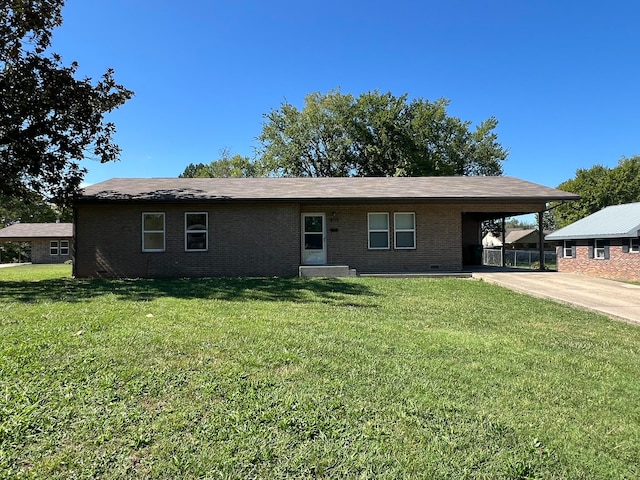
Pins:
x,y
327,271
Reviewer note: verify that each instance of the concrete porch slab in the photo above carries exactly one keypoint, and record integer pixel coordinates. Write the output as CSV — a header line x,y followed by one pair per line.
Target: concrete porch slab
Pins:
x,y
326,271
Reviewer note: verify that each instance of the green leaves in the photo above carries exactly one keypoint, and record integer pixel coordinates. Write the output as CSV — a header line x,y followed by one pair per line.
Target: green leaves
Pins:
x,y
49,120
226,167
599,187
376,134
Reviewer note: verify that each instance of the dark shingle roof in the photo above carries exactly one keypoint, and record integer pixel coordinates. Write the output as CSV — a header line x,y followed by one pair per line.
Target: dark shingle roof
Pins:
x,y
616,221
37,230
301,189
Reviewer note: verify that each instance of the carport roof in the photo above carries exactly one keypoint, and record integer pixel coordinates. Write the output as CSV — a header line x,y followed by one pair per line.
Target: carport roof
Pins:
x,y
617,221
322,189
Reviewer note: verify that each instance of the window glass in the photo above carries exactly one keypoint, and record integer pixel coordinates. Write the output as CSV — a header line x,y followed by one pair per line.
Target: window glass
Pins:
x,y
379,230
196,221
405,230
153,232
64,247
404,221
405,240
196,231
312,241
634,245
598,251
568,249
153,241
53,247
378,221
378,240
153,221
313,224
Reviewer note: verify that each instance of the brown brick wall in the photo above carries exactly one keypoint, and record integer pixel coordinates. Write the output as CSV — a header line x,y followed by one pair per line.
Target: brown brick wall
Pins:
x,y
619,265
41,253
438,241
265,240
243,241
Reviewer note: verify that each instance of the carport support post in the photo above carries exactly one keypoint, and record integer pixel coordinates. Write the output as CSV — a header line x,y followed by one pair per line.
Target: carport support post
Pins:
x,y
541,239
503,236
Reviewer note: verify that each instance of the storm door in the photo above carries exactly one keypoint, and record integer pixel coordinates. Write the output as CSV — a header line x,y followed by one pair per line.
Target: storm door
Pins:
x,y
314,243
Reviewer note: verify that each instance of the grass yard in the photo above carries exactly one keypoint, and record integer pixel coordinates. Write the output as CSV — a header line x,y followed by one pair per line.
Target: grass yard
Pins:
x,y
299,378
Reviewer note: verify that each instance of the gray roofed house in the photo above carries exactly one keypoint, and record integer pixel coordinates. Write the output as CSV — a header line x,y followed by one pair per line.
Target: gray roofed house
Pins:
x,y
604,244
190,227
616,221
50,242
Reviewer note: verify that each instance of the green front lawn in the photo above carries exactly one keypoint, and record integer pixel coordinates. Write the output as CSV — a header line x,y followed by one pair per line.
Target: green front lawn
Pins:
x,y
275,378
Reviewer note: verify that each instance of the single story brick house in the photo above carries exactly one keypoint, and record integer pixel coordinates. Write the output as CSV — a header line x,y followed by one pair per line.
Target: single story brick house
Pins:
x,y
50,242
604,244
196,227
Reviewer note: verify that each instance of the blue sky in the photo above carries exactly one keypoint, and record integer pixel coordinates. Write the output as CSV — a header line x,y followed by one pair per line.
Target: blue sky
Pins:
x,y
562,77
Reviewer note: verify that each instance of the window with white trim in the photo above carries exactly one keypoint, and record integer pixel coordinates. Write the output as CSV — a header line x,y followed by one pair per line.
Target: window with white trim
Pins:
x,y
599,249
569,249
404,230
53,247
196,231
64,247
378,231
153,232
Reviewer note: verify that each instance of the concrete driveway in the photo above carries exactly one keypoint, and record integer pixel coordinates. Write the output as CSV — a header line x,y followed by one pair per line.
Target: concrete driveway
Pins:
x,y
618,300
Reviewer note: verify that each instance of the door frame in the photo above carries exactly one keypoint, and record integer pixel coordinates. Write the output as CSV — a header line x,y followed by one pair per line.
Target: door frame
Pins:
x,y
323,260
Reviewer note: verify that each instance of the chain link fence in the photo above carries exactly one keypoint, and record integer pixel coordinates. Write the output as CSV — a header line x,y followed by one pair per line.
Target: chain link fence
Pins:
x,y
519,258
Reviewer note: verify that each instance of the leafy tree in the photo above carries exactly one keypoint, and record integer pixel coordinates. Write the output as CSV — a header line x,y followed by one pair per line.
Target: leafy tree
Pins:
x,y
514,222
312,142
226,167
49,120
599,187
34,209
376,135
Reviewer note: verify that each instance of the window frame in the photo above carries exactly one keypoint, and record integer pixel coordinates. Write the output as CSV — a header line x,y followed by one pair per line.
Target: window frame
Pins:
x,y
397,230
370,231
163,232
599,249
64,247
54,248
205,231
568,246
635,249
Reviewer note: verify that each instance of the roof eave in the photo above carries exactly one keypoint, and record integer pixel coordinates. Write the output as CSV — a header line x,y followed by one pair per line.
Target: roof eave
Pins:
x,y
592,236
377,199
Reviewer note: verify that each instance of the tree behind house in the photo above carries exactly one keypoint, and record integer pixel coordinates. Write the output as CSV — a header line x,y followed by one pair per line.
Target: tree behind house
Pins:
x,y
376,134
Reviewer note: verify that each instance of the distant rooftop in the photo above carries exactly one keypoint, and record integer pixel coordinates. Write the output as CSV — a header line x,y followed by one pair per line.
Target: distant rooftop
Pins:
x,y
617,221
19,231
301,189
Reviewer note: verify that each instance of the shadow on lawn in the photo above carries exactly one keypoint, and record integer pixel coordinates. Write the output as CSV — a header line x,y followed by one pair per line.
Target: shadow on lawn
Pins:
x,y
330,290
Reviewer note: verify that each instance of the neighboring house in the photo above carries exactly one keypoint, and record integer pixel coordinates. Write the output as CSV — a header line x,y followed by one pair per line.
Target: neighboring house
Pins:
x,y
604,244
490,240
190,227
517,238
50,242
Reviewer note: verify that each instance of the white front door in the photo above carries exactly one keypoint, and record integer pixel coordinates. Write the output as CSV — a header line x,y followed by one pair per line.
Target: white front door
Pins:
x,y
314,242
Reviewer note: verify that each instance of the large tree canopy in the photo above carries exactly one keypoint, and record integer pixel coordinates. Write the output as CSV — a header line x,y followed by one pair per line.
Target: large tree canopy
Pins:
x,y
227,166
49,120
599,187
376,134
